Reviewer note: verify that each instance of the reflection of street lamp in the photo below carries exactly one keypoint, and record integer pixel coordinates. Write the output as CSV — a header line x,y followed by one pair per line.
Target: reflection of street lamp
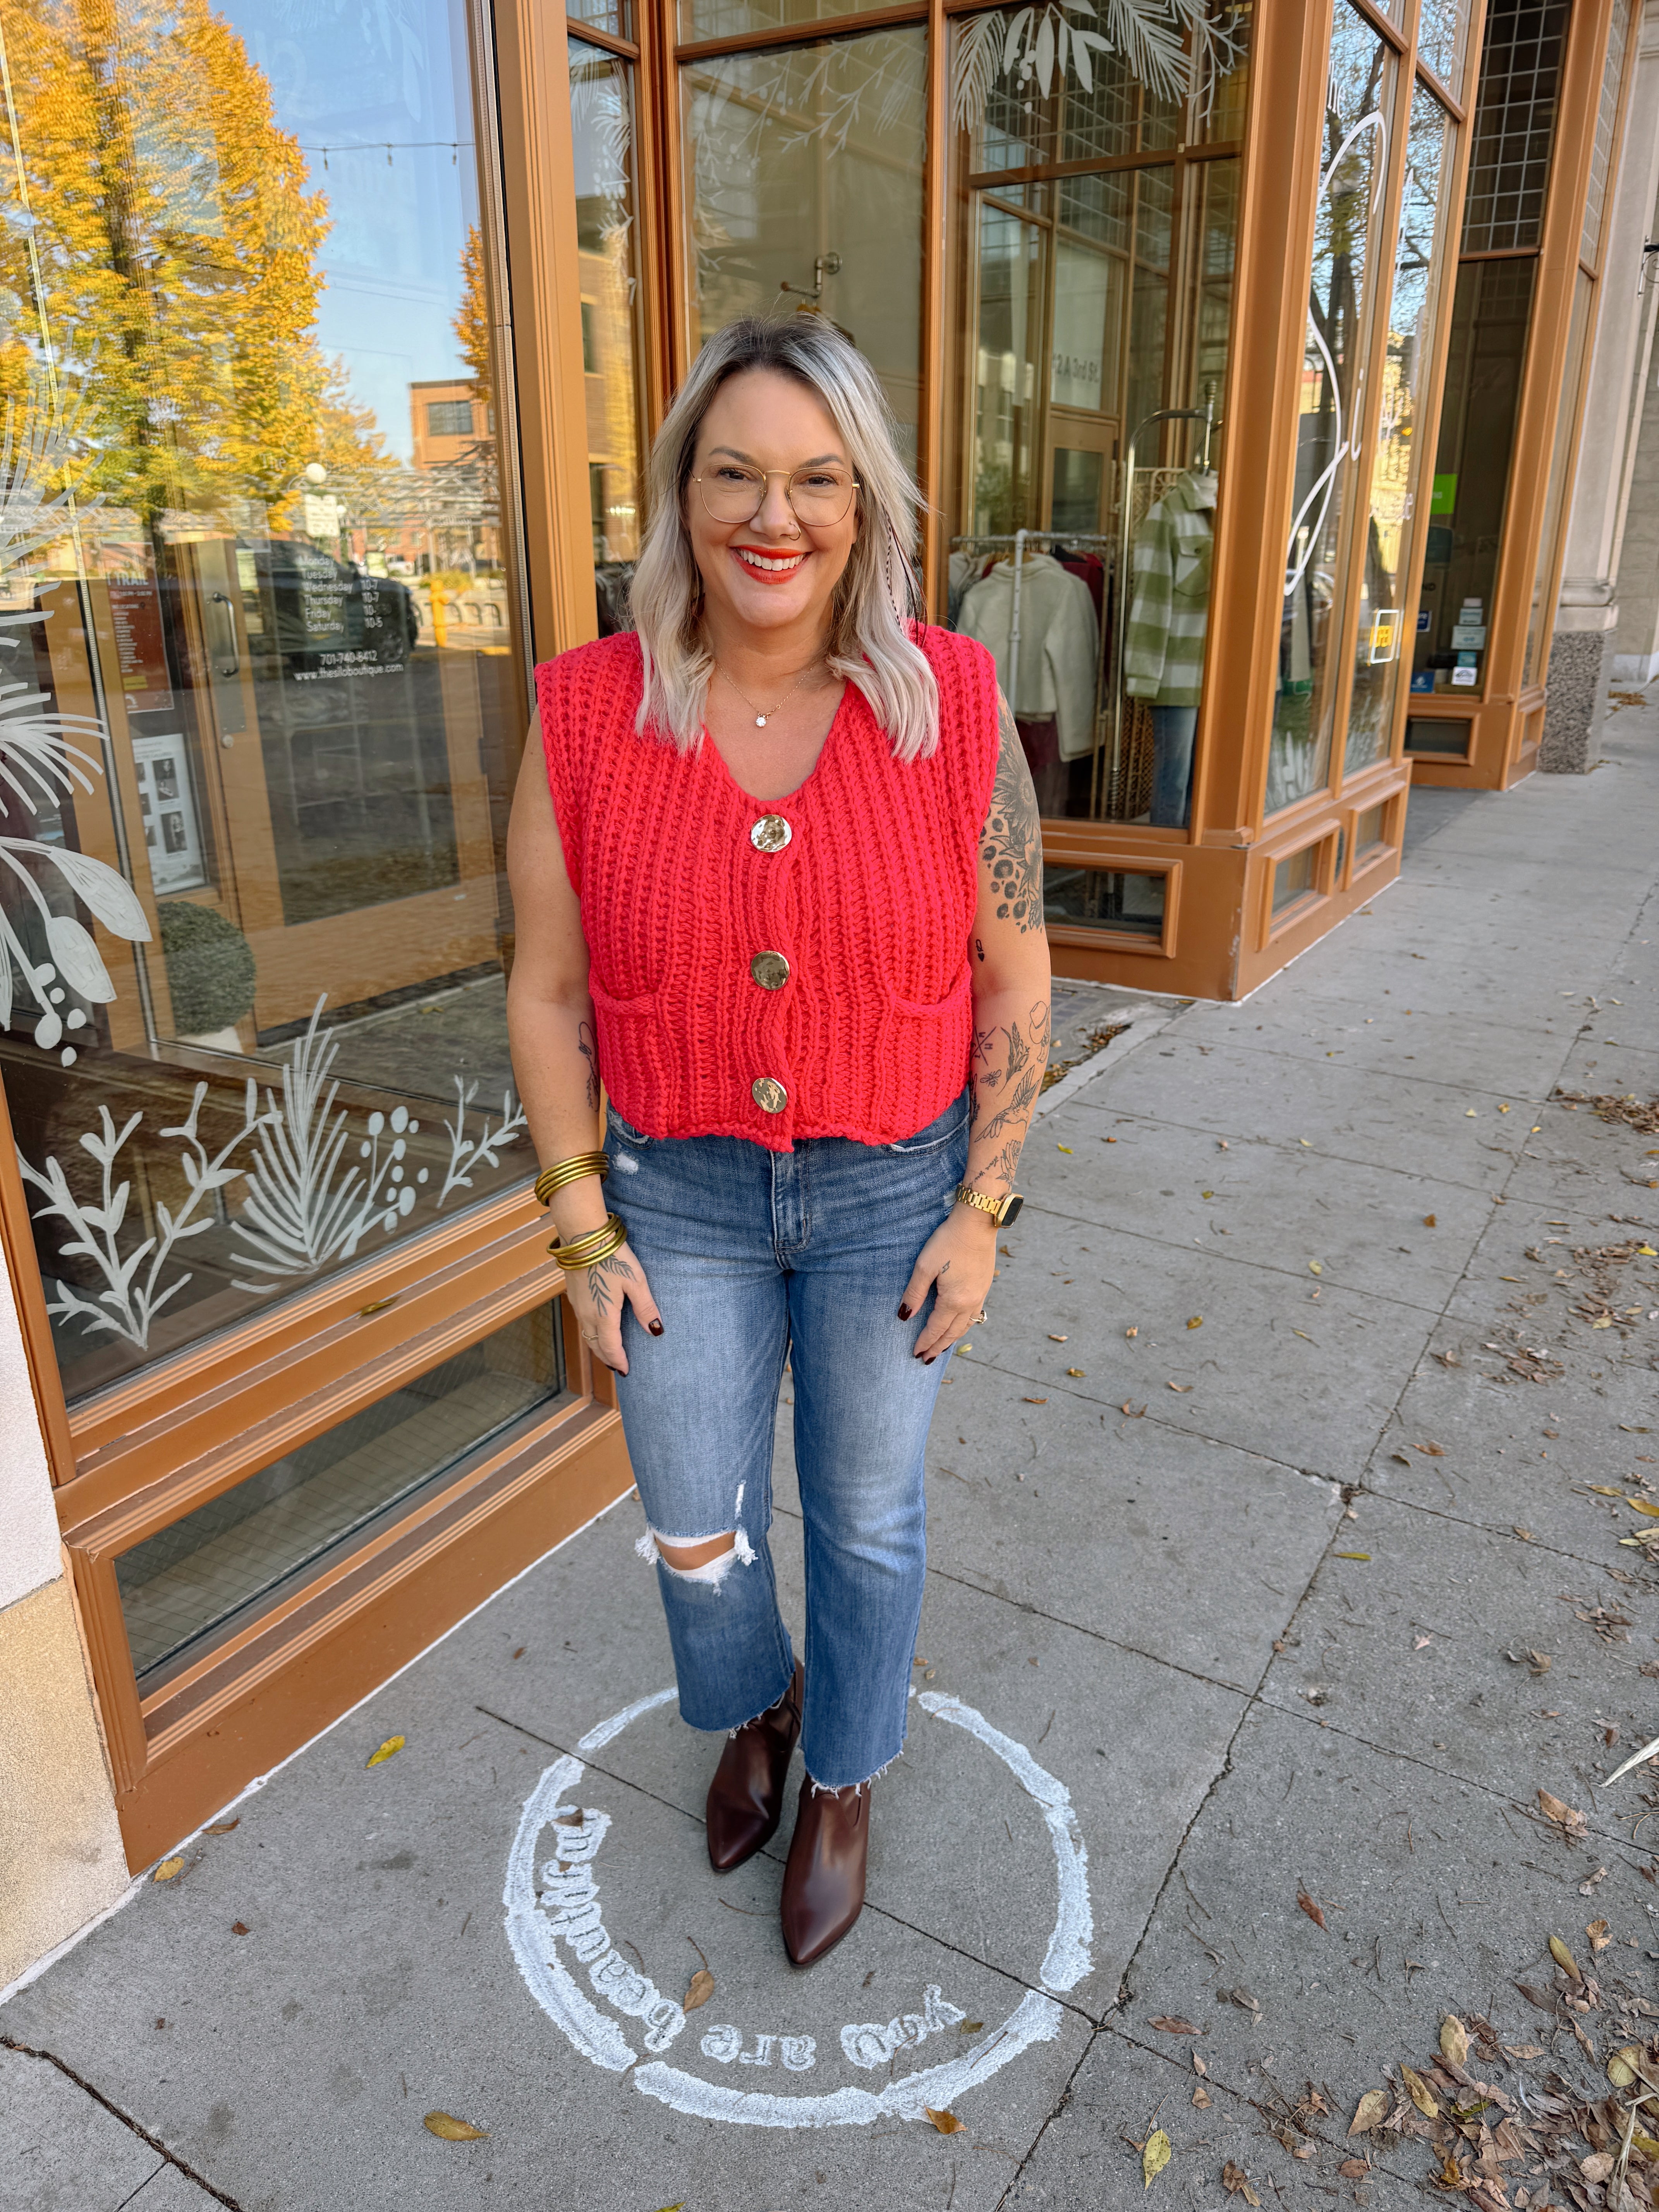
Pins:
x,y
314,472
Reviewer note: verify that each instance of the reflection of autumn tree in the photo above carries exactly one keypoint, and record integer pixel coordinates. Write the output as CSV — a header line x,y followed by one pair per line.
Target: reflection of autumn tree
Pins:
x,y
471,323
172,257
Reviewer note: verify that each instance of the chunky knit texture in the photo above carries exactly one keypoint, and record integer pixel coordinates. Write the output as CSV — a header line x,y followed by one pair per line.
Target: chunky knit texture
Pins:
x,y
871,903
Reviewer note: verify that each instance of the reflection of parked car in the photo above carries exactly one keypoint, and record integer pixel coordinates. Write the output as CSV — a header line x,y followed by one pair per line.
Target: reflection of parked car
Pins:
x,y
331,617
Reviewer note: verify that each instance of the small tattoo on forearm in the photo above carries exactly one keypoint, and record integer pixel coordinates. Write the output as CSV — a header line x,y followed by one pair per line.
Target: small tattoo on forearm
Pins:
x,y
586,1044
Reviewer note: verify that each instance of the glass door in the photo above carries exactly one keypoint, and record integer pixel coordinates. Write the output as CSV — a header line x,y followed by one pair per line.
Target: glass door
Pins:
x,y
1093,273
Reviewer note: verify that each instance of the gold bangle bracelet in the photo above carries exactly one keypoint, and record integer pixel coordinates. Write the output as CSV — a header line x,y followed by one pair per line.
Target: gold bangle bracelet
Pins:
x,y
598,1244
571,1170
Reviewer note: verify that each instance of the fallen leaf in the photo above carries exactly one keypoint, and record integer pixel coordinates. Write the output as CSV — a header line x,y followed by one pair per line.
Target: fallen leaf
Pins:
x,y
1562,1956
168,1869
389,1749
1236,2183
1353,2169
1179,1389
1131,1332
1600,1934
947,2122
1058,1148
221,1828
1431,1450
702,1988
1202,2098
1525,1534
1455,2040
1642,1506
1605,1489
1352,1555
1369,2110
1312,1911
1314,1268
1430,1222
1197,1321
1052,1339
1419,2093
1620,2071
1075,1371
1155,2157
1541,1663
446,2125
970,2026
1553,1810
239,1928
1034,1401
1135,1413
1172,2024
1597,2167
1422,1643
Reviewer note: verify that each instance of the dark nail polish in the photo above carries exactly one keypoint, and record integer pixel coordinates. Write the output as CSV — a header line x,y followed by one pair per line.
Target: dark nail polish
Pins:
x,y
655,1328
904,1313
931,1358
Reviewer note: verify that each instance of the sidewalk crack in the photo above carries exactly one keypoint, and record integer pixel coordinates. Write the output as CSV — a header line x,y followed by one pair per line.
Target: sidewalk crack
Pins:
x,y
135,2127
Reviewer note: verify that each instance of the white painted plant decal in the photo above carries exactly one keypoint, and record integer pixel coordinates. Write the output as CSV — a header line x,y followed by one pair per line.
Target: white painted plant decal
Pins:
x,y
132,1294
1176,48
40,762
465,1153
301,1211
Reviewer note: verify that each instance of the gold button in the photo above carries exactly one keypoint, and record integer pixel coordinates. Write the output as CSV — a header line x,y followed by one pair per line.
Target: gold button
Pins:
x,y
770,1096
770,971
770,834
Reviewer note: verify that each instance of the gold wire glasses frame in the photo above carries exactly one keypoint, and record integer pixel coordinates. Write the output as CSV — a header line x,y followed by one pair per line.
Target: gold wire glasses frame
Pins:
x,y
819,498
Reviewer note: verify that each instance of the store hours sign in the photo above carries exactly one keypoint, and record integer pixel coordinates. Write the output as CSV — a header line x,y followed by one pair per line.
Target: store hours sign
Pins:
x,y
767,2072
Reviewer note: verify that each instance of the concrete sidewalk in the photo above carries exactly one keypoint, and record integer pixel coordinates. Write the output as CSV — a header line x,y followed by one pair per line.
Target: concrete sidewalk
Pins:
x,y
1265,1566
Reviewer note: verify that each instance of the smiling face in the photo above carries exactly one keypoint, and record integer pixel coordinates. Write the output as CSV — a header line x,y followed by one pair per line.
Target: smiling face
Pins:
x,y
771,574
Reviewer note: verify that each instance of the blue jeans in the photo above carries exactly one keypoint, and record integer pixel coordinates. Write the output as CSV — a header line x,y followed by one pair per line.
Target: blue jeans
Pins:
x,y
1173,729
756,1259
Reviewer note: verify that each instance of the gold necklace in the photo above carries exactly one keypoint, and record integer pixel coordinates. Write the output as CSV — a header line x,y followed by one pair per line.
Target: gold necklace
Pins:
x,y
761,719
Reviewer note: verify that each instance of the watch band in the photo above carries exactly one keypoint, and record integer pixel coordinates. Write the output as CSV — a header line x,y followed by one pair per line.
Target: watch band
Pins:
x,y
998,1208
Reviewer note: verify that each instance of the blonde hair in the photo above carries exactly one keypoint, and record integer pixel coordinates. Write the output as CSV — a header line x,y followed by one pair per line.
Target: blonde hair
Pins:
x,y
870,639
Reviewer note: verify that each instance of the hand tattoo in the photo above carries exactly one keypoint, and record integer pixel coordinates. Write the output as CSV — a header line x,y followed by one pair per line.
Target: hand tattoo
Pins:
x,y
586,1044
606,1280
1011,845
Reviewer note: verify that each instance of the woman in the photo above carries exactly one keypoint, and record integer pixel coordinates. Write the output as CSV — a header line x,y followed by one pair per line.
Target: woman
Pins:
x,y
776,871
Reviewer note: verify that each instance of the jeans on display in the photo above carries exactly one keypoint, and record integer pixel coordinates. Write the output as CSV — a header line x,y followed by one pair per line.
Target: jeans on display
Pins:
x,y
754,1259
1172,765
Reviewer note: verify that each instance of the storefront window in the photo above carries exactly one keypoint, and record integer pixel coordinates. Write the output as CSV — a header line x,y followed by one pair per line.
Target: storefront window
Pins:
x,y
1096,308
1443,40
805,184
733,19
1334,407
602,129
1396,490
262,673
197,1582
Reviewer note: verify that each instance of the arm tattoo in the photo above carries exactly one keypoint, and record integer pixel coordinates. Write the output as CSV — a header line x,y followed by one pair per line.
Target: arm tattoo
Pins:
x,y
1011,846
1008,1066
585,1045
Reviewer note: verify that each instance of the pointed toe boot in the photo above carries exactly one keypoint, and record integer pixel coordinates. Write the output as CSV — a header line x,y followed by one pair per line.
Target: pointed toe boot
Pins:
x,y
824,1882
745,1798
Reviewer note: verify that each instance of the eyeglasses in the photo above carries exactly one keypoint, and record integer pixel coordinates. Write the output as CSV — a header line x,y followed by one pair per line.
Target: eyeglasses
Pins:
x,y
819,497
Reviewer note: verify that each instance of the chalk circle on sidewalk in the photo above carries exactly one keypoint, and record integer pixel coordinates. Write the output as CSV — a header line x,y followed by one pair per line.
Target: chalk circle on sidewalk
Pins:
x,y
555,1913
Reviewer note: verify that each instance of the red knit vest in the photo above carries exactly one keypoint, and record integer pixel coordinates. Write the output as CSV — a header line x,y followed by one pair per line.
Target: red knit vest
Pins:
x,y
871,902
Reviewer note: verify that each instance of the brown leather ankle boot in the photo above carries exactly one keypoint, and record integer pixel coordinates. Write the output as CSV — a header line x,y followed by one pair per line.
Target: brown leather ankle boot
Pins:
x,y
745,1798
823,1881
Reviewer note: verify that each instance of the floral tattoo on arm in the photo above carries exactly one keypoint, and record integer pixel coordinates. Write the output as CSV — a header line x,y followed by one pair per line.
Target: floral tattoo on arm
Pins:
x,y
1007,1068
1011,846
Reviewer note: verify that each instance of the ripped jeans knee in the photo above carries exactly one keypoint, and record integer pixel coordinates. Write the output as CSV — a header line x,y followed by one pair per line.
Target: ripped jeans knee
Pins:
x,y
713,1570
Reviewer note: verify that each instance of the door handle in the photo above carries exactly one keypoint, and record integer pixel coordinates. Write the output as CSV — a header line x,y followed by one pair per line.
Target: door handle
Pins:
x,y
222,648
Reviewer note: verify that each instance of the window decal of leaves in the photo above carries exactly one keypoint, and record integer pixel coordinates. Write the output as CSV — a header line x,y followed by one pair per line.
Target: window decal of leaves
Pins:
x,y
1176,48
40,761
1308,524
132,1294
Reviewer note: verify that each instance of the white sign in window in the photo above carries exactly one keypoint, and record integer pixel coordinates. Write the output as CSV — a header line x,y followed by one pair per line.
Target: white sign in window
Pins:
x,y
167,802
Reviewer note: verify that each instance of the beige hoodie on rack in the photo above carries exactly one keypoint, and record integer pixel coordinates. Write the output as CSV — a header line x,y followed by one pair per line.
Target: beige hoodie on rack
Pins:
x,y
1058,642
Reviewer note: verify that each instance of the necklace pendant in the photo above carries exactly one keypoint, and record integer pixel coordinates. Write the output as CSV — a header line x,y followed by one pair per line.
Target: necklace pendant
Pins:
x,y
760,721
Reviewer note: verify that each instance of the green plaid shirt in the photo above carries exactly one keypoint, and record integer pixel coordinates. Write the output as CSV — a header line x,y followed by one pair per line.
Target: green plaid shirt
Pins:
x,y
1170,612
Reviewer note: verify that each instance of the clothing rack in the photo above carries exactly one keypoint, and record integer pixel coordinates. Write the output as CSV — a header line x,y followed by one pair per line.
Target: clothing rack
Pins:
x,y
1019,540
